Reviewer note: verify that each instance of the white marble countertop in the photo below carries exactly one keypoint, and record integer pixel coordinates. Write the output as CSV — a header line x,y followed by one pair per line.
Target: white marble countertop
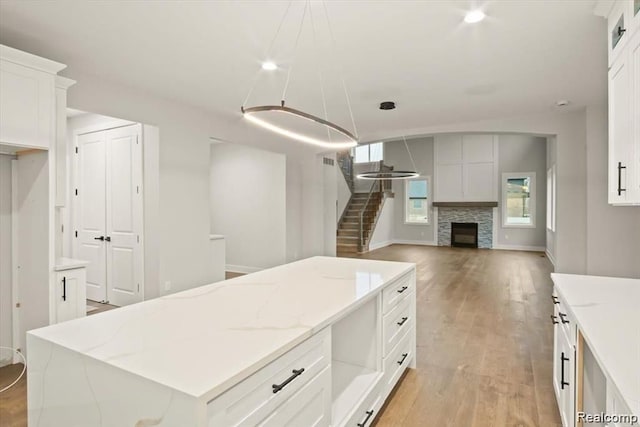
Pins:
x,y
69,263
204,340
607,311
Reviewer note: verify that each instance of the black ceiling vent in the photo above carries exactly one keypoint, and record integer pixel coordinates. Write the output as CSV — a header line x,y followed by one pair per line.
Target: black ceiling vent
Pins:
x,y
387,105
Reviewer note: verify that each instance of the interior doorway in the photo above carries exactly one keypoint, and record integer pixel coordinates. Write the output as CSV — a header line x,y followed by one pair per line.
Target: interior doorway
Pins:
x,y
107,215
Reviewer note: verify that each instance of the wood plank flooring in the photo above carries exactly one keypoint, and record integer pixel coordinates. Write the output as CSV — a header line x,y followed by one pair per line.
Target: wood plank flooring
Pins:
x,y
485,343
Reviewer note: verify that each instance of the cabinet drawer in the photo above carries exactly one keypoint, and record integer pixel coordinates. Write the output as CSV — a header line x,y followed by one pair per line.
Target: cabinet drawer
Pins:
x,y
249,402
367,411
563,316
396,323
311,406
395,292
397,361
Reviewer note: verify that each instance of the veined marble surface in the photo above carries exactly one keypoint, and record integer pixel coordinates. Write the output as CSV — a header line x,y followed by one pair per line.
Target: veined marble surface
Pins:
x,y
607,311
202,341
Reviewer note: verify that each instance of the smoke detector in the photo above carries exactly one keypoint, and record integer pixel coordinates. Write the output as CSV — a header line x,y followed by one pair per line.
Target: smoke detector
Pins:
x,y
562,103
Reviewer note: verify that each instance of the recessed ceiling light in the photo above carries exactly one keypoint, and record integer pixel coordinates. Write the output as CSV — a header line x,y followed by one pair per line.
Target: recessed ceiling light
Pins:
x,y
474,16
269,66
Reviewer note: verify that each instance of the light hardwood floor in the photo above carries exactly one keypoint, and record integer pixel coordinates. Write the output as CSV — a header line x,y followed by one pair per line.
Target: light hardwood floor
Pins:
x,y
485,343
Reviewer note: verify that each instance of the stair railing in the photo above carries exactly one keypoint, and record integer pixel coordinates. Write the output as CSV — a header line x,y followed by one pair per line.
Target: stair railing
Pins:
x,y
345,161
378,186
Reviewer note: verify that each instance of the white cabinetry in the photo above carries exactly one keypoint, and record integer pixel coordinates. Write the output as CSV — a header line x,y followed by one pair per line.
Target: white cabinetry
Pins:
x,y
27,99
313,355
70,294
564,354
466,168
62,84
624,105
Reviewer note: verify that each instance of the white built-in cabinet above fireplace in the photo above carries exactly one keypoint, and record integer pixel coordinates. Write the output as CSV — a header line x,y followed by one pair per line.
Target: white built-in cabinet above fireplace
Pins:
x,y
466,168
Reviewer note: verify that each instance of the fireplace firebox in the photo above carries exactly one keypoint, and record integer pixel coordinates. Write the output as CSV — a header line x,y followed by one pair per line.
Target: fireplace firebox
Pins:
x,y
464,234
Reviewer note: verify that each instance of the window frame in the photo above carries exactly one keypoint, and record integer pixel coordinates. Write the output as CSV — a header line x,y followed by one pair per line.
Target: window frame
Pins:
x,y
551,198
353,153
532,199
406,200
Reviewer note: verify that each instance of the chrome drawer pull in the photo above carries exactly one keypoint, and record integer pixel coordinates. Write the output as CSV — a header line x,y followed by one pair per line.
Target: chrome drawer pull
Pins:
x,y
362,424
296,373
404,319
404,356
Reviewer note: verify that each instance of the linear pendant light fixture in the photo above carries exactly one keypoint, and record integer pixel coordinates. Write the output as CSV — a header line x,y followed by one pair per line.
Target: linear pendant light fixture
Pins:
x,y
256,114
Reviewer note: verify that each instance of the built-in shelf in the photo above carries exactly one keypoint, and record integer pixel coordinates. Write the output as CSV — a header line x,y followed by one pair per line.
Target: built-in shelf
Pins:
x,y
350,383
465,204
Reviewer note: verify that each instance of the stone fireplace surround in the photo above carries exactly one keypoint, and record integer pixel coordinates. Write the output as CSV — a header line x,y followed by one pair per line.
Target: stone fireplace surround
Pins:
x,y
482,215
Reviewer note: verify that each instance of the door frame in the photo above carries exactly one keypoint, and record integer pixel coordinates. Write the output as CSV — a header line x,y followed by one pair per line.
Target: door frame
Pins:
x,y
73,219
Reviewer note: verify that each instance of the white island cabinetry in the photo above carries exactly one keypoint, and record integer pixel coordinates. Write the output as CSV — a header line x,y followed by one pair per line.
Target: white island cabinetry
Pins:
x,y
597,349
318,342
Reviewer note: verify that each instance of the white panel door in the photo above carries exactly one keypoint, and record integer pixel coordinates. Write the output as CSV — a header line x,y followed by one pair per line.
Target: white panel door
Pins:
x,y
124,215
91,211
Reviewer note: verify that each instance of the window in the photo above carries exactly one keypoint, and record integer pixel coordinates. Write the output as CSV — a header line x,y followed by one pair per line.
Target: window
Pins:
x,y
551,198
416,204
367,153
519,199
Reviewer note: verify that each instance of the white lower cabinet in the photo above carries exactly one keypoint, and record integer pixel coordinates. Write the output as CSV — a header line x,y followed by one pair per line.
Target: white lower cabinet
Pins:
x,y
341,376
310,406
70,294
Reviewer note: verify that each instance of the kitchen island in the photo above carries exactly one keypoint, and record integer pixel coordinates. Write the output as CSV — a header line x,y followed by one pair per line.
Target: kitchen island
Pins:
x,y
596,348
321,341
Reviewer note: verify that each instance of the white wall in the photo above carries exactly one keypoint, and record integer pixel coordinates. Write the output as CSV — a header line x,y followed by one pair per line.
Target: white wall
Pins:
x,y
383,234
551,235
6,337
613,232
344,193
183,240
523,153
248,205
330,204
396,155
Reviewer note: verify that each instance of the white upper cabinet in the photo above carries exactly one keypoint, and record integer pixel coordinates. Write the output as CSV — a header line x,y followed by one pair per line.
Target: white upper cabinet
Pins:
x,y
27,99
466,168
624,104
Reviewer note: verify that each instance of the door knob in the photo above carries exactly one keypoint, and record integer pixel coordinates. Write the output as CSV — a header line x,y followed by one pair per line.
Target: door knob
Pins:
x,y
99,238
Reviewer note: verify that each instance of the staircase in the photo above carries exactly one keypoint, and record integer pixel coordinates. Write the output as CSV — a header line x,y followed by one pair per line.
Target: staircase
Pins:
x,y
348,240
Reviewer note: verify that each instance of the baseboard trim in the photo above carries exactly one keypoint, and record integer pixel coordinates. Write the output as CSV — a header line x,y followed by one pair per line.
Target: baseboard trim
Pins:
x,y
373,247
242,268
551,258
520,248
414,242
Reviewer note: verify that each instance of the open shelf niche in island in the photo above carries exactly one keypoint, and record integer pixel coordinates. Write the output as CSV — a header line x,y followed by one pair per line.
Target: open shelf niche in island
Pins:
x,y
355,361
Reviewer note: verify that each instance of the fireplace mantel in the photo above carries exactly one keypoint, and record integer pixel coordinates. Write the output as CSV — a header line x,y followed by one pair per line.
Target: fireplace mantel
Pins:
x,y
465,204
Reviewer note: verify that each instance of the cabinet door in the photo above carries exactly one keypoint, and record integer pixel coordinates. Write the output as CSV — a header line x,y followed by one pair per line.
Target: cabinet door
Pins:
x,y
620,137
70,295
633,192
26,106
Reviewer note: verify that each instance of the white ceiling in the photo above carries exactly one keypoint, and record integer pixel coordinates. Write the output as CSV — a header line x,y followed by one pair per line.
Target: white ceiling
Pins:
x,y
524,57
